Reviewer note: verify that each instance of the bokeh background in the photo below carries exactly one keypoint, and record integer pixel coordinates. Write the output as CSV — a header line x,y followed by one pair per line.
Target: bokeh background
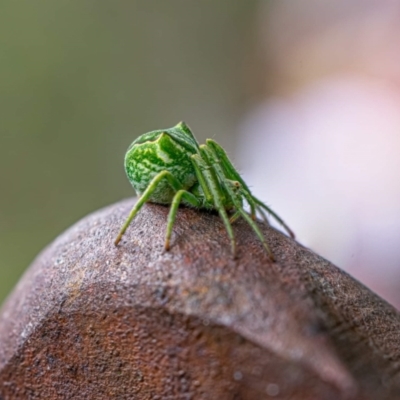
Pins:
x,y
304,95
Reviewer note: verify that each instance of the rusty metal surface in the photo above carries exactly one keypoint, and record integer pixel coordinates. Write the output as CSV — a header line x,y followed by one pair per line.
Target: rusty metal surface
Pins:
x,y
91,321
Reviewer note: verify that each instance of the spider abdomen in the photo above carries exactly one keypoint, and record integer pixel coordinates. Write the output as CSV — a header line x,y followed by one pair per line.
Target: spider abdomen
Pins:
x,y
159,152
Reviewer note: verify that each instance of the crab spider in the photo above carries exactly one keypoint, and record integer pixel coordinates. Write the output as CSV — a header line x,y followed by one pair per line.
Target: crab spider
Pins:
x,y
170,167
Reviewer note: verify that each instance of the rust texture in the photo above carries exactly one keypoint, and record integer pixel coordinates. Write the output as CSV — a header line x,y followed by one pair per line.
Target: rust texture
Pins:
x,y
92,321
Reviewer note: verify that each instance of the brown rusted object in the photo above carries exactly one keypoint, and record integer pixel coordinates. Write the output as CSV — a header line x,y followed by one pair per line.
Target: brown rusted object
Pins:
x,y
92,321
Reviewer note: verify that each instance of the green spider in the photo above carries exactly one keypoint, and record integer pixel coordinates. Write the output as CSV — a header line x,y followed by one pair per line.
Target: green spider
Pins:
x,y
169,167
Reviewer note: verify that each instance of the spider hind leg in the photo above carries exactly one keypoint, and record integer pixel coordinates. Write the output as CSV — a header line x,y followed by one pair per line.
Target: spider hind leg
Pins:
x,y
176,186
225,178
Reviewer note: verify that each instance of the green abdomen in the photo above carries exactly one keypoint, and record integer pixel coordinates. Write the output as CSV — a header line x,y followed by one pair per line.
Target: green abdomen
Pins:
x,y
145,160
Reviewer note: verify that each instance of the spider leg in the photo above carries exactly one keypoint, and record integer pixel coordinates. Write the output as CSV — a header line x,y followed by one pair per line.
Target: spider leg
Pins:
x,y
237,188
175,184
275,215
190,198
231,171
228,167
234,217
250,200
263,215
239,207
212,191
235,185
199,165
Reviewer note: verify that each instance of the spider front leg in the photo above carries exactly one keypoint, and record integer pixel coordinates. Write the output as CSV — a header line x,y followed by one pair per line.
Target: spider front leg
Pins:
x,y
238,189
234,217
254,202
175,184
229,170
275,215
212,192
222,172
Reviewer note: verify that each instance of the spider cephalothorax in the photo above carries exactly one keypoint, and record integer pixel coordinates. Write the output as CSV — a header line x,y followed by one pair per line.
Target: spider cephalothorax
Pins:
x,y
170,167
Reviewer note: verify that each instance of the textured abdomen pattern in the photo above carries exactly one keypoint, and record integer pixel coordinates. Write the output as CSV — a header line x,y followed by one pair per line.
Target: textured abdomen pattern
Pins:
x,y
145,160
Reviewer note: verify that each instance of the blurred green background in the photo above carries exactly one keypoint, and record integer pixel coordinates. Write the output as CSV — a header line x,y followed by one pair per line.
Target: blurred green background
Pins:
x,y
303,94
80,80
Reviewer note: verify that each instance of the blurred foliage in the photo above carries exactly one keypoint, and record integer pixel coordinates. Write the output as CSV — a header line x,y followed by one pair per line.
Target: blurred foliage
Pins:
x,y
81,79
